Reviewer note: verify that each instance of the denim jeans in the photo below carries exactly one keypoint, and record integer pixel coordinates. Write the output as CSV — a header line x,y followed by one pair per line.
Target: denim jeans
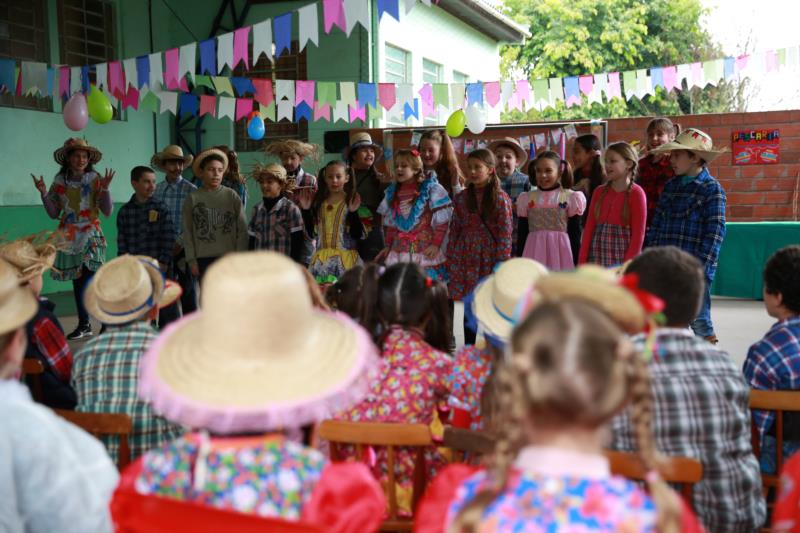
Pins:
x,y
702,325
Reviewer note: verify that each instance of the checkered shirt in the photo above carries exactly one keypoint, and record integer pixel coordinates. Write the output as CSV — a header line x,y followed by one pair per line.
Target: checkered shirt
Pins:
x,y
514,185
105,377
691,216
272,230
700,410
146,229
50,341
174,194
773,363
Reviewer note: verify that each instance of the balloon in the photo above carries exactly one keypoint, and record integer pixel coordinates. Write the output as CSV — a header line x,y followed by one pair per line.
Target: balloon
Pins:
x,y
475,121
455,124
76,115
255,129
100,109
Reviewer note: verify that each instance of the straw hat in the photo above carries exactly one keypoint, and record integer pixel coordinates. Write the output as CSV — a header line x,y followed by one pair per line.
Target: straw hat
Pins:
x,y
170,153
124,289
361,139
510,142
291,146
695,141
497,296
70,145
244,362
17,303
29,259
198,161
272,170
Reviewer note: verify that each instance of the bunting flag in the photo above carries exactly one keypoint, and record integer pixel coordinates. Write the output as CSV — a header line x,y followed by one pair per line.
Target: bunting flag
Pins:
x,y
572,91
244,106
441,94
243,85
357,112
347,92
116,81
541,93
283,33
224,52
262,40
302,112
156,71
492,90
75,84
263,92
326,92
308,25
172,64
85,79
285,110
322,112
149,102
614,89
188,105
131,71
340,112
556,90
304,92
368,94
387,95
670,77
523,93
409,5
204,81
131,98
169,102
222,85
7,67
284,90
142,71
355,12
240,48
34,78
208,105
333,13
188,60
475,94
457,95
426,97
208,56
226,108
389,7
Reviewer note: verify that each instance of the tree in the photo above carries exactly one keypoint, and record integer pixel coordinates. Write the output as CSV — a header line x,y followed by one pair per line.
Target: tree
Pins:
x,y
576,37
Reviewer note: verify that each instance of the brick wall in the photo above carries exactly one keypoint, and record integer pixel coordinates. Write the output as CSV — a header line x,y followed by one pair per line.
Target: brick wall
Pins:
x,y
755,192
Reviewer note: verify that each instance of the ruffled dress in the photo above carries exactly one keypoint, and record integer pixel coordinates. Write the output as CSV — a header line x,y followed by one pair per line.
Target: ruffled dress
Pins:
x,y
336,245
546,214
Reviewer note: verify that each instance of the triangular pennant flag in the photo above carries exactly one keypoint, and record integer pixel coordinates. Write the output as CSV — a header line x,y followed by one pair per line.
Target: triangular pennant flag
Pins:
x,y
283,34
506,94
441,94
405,93
222,85
34,77
308,25
643,84
188,60
169,102
540,93
698,76
241,48
304,92
285,110
368,94
51,80
244,106
172,60
131,98
670,76
224,52
457,95
409,111
388,7
523,92
492,90
600,82
85,79
629,83
322,112
208,57
264,94
188,105
7,67
347,92
426,97
149,102
358,113
243,85
142,71
729,68
100,74
75,83
556,91
156,71
227,107
657,77
326,92
284,90
131,72
63,79
204,81
268,112
387,95
333,14
684,73
586,84
116,80
356,12
340,112
475,94
572,91
409,5
614,89
302,111
262,40
208,105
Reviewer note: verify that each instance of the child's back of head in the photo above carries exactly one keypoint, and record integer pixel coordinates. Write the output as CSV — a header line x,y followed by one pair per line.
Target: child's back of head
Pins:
x,y
782,277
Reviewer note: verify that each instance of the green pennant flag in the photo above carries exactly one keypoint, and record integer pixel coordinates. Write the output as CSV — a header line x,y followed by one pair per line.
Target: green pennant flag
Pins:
x,y
326,92
223,85
629,82
441,94
540,90
374,113
782,57
150,102
203,81
268,112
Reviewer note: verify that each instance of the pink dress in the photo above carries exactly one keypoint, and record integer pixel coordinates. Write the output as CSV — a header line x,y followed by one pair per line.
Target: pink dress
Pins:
x,y
546,213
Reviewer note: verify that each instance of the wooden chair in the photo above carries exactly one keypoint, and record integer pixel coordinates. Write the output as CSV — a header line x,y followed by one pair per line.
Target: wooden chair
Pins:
x,y
390,436
32,370
104,424
468,446
683,471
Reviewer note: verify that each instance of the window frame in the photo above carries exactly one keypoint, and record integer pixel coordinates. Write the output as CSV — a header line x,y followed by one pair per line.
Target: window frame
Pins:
x,y
38,29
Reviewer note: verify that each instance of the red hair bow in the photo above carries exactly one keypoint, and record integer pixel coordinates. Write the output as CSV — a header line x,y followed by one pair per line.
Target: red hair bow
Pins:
x,y
414,152
652,304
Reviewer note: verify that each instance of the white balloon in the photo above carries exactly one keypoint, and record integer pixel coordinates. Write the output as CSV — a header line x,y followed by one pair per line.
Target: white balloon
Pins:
x,y
475,121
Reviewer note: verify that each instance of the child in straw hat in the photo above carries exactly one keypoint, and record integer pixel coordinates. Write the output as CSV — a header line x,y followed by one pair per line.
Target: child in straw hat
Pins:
x,y
125,295
361,155
570,368
691,212
31,256
243,381
77,197
55,476
511,156
277,223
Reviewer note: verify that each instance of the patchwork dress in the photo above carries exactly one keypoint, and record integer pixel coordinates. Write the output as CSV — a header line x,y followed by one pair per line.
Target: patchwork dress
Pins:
x,y
338,232
547,214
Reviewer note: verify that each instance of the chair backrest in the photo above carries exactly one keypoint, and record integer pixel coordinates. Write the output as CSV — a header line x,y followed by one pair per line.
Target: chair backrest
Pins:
x,y
32,370
468,446
683,471
390,436
780,402
104,424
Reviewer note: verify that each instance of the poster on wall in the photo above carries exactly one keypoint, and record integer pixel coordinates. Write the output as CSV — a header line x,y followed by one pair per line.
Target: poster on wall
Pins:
x,y
756,147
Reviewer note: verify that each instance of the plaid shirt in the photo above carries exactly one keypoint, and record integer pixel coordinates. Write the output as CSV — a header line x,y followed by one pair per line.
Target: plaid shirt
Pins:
x,y
272,230
773,363
51,343
700,410
691,216
652,176
174,194
514,185
105,377
146,229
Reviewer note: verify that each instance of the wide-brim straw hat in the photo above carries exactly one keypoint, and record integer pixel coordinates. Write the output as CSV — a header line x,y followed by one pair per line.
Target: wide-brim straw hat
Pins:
x,y
510,142
362,139
272,170
17,303
173,152
198,161
599,287
497,296
257,356
694,140
70,145
124,289
300,148
29,259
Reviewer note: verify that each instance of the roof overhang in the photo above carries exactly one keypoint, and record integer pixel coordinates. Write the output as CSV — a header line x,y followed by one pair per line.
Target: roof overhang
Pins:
x,y
486,20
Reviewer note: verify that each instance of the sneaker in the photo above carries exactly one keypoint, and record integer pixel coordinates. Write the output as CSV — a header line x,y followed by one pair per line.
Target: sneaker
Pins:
x,y
80,332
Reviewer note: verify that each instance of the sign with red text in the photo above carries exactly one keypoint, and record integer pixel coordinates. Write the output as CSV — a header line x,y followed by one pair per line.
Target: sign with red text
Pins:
x,y
756,147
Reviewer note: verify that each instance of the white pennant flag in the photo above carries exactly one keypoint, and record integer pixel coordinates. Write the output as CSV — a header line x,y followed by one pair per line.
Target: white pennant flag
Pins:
x,y
169,102
426,2
684,73
75,84
131,76
224,51
457,95
556,91
101,74
409,5
356,11
506,92
792,57
285,110
308,25
405,95
262,40
347,92
156,71
600,86
340,112
284,89
227,107
188,60
643,84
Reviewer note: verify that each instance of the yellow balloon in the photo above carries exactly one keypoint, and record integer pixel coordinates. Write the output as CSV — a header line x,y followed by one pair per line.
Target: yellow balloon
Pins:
x,y
100,109
456,123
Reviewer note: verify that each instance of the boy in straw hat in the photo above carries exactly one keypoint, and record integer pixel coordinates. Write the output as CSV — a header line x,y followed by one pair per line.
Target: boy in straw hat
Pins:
x,y
277,223
246,379
173,191
53,475
361,155
31,257
510,157
691,212
125,295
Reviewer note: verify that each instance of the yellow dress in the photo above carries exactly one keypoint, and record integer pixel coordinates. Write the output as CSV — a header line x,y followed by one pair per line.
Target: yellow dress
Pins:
x,y
336,250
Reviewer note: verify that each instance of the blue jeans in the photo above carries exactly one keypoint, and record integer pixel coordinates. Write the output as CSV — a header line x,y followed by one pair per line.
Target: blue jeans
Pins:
x,y
702,325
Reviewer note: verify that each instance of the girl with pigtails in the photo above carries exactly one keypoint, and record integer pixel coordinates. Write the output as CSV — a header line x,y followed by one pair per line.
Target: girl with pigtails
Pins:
x,y
570,370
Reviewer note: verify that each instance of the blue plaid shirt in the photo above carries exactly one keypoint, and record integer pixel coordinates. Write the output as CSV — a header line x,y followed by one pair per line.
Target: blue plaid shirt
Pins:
x,y
514,185
146,229
173,195
691,216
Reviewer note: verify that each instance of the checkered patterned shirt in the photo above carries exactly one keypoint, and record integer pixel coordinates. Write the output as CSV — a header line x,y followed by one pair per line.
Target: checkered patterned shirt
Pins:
x,y
105,377
700,410
50,341
272,230
514,185
773,363
174,194
146,229
691,216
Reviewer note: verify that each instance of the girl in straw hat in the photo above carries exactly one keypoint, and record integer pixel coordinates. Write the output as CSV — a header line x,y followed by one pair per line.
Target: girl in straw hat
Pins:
x,y
510,158
361,156
77,196
691,212
277,223
439,156
239,382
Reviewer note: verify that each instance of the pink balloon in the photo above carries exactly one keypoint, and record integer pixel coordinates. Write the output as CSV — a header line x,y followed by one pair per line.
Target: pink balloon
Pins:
x,y
76,115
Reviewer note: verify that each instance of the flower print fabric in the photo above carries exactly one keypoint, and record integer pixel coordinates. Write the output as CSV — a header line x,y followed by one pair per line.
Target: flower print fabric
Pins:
x,y
471,369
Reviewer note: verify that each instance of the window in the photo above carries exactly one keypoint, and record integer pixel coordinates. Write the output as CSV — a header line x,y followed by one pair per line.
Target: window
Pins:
x,y
23,36
397,65
431,73
459,77
289,66
86,32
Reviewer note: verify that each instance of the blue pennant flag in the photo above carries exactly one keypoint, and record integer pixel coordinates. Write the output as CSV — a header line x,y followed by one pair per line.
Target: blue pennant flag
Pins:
x,y
143,70
657,77
7,74
85,79
51,81
390,7
368,94
475,94
208,57
283,33
188,104
729,67
409,112
303,110
243,85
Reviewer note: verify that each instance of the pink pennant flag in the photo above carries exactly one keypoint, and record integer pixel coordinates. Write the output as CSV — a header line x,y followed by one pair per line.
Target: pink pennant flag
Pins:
x,y
240,49
586,84
116,80
333,14
670,75
492,92
387,94
698,76
614,88
173,62
244,106
358,113
184,85
63,81
131,98
523,92
304,92
771,60
322,111
208,105
426,94
741,62
264,94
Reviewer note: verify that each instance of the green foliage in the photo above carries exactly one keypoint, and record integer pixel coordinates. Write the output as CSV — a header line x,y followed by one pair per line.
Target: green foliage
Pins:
x,y
576,37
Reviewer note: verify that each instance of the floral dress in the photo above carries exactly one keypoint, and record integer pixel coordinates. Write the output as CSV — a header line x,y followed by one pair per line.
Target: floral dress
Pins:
x,y
336,246
477,244
411,386
471,369
546,214
78,202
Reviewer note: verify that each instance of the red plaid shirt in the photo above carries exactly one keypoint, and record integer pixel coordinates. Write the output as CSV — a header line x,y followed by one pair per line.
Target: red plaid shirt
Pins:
x,y
50,341
652,176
